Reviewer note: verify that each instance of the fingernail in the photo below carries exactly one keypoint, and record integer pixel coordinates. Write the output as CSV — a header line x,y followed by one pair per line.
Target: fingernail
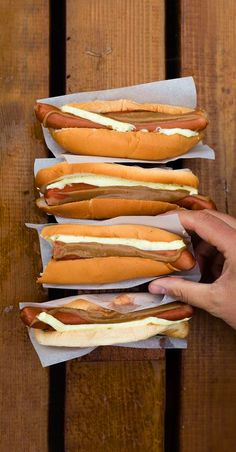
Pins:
x,y
154,288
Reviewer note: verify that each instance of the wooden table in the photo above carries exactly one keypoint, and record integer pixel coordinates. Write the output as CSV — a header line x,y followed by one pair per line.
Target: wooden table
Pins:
x,y
114,399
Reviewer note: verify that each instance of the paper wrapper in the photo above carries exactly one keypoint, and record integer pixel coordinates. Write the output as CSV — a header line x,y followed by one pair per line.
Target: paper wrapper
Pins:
x,y
170,222
180,91
55,355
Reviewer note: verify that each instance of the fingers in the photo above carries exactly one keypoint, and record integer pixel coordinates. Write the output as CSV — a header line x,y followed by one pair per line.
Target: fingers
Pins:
x,y
231,221
196,294
210,228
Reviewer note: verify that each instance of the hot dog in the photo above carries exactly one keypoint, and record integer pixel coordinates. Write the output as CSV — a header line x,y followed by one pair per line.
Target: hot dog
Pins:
x,y
123,128
196,203
65,325
103,190
89,254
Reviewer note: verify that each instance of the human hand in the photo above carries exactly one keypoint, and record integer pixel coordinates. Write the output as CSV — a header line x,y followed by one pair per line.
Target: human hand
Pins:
x,y
218,231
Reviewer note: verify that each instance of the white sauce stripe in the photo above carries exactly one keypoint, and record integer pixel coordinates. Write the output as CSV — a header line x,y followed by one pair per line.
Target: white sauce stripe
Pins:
x,y
185,132
61,327
121,126
145,245
110,181
99,119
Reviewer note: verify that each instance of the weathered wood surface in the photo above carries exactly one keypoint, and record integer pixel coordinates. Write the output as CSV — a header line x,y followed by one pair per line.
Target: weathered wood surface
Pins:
x,y
24,76
115,405
115,397
208,396
110,353
113,43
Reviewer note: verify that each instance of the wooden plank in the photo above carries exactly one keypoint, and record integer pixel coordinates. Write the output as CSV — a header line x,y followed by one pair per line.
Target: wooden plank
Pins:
x,y
24,77
113,43
115,405
123,354
208,397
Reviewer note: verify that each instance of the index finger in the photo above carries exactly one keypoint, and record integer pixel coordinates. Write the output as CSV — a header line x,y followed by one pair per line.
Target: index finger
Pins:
x,y
231,221
210,228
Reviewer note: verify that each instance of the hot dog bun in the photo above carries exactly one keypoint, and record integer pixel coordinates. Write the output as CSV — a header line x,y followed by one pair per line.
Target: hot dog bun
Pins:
x,y
133,145
135,231
106,270
158,175
94,336
102,208
106,106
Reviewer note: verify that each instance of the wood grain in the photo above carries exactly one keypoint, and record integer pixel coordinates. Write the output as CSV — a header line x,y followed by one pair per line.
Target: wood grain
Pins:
x,y
115,405
208,397
113,43
24,77
110,353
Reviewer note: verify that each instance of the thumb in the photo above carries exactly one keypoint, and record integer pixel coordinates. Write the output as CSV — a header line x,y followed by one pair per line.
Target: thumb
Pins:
x,y
196,294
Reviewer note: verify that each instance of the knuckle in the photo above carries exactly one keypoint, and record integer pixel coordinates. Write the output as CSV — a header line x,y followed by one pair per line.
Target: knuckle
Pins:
x,y
215,298
203,216
181,294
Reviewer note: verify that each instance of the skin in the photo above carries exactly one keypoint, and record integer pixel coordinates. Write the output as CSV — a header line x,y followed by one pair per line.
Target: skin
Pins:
x,y
215,247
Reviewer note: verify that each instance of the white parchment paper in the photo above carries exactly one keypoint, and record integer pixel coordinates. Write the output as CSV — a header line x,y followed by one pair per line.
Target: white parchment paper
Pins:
x,y
169,222
119,302
180,91
54,355
46,163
